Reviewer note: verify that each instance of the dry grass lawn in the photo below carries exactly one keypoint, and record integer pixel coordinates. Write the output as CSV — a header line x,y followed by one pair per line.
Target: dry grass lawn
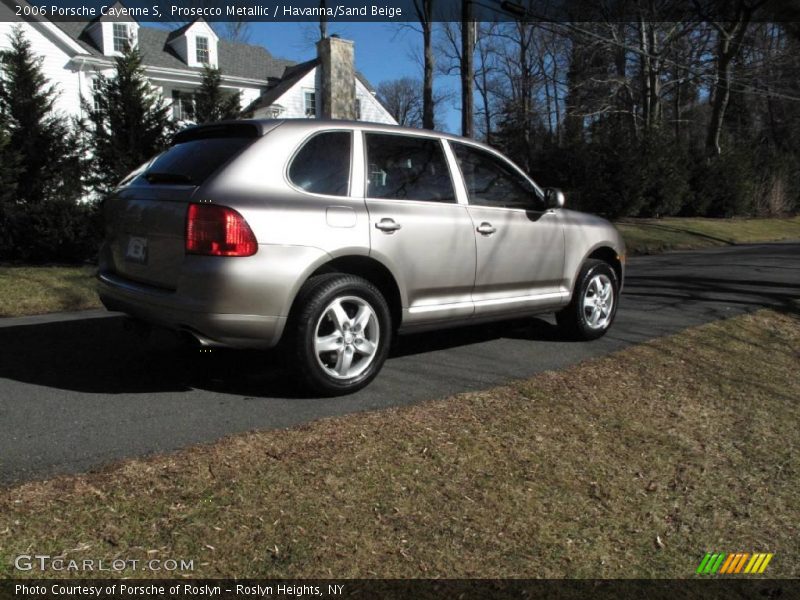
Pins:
x,y
38,290
652,236
632,465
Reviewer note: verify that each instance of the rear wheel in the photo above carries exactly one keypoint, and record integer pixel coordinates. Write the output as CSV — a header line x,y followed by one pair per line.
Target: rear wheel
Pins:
x,y
342,332
593,307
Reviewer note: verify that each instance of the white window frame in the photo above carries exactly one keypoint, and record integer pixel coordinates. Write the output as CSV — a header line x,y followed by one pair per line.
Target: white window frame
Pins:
x,y
121,41
202,48
310,103
180,99
96,94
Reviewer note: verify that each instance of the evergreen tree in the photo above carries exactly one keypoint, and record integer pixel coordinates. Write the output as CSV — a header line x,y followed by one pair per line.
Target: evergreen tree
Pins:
x,y
8,183
130,125
40,153
9,165
211,103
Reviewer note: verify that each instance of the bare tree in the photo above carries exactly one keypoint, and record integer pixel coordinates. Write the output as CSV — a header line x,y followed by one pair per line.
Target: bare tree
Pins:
x,y
484,81
234,31
402,99
468,27
424,10
729,44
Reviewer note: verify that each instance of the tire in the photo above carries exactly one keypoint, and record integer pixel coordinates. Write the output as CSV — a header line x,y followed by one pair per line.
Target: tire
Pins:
x,y
340,334
580,320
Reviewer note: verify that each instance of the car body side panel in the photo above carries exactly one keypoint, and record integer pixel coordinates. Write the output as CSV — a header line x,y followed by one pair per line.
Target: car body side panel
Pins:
x,y
521,264
433,255
585,233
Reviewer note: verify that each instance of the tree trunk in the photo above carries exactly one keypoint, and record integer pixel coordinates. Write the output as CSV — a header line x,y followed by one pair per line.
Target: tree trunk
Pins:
x,y
424,9
720,102
728,48
467,69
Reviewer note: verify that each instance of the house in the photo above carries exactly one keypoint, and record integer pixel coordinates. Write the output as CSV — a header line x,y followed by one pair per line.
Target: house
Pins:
x,y
74,54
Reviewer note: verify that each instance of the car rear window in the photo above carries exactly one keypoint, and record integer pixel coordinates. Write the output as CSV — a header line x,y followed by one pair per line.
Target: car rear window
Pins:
x,y
193,161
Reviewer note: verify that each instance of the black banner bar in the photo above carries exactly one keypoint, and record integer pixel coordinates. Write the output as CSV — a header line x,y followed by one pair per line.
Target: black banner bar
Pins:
x,y
388,11
417,589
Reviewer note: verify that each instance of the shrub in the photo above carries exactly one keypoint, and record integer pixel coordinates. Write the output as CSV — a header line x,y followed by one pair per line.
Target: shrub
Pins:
x,y
50,232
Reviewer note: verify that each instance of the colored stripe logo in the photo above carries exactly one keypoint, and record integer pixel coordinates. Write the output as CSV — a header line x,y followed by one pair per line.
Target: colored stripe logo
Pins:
x,y
734,564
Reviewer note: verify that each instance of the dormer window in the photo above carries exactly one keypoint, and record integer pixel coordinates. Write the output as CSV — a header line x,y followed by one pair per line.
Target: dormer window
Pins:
x,y
203,55
122,39
195,44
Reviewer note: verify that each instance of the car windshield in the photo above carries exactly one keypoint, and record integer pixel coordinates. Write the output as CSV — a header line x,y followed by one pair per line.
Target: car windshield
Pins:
x,y
190,162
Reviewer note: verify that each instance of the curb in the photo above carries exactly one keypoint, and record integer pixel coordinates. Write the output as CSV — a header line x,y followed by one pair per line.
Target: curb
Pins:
x,y
61,317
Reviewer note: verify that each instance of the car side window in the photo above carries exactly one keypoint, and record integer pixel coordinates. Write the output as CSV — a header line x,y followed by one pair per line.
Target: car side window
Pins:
x,y
401,167
322,166
491,181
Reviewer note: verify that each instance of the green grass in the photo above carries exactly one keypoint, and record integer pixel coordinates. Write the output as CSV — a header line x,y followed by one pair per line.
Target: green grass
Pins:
x,y
652,236
632,465
37,290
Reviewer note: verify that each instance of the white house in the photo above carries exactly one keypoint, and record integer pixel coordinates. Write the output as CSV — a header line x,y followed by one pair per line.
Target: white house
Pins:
x,y
75,53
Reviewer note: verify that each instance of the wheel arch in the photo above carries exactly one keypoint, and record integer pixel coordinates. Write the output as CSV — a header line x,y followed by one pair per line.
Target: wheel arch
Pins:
x,y
606,253
370,269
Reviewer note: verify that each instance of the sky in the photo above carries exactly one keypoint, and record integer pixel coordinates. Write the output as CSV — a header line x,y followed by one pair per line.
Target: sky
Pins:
x,y
383,51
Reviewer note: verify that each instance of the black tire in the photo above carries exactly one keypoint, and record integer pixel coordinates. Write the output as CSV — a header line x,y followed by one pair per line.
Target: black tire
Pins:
x,y
314,316
573,319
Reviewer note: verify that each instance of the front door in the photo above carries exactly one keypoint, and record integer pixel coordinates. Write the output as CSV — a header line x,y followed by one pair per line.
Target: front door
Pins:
x,y
520,244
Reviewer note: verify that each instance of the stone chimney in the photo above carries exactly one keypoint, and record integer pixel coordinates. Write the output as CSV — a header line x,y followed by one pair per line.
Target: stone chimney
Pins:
x,y
338,78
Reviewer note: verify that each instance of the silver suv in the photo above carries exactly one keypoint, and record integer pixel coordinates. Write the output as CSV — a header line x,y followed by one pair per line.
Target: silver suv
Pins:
x,y
330,237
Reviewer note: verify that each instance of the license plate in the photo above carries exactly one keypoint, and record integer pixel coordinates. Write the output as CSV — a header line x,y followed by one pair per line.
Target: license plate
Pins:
x,y
137,250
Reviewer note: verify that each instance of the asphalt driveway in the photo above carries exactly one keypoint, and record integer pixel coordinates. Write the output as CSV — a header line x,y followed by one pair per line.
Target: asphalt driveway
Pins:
x,y
81,392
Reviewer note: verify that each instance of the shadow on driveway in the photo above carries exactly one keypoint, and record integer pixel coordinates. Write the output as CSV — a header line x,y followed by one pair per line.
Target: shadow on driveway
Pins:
x,y
663,294
101,356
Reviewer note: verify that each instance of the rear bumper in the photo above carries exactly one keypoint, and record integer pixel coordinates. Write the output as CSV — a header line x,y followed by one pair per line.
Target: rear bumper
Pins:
x,y
165,308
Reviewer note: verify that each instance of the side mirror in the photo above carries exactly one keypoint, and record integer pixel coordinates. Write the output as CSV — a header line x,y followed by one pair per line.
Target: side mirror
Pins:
x,y
554,198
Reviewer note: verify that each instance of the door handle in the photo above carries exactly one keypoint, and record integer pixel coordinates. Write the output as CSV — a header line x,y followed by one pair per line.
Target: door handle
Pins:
x,y
486,228
388,225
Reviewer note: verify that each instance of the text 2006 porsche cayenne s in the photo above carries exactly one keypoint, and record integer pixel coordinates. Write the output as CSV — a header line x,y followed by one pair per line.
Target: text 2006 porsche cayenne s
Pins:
x,y
331,237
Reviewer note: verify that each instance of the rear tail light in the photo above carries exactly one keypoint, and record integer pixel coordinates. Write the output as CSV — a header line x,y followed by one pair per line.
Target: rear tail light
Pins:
x,y
218,231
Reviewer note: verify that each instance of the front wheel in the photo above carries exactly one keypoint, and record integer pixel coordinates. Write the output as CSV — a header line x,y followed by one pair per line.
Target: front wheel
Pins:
x,y
593,307
341,333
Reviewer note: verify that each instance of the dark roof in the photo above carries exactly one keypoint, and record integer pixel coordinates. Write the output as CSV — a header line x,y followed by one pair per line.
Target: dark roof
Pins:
x,y
235,59
180,31
291,75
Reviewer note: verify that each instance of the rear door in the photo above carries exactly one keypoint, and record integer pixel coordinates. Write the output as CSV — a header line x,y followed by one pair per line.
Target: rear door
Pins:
x,y
417,227
520,244
146,217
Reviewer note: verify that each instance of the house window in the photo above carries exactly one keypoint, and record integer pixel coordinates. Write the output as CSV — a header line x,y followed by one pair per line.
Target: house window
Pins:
x,y
358,109
182,106
311,104
202,50
122,41
97,97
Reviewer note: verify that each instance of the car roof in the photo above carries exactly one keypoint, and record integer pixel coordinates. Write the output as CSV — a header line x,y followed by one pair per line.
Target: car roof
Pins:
x,y
264,126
